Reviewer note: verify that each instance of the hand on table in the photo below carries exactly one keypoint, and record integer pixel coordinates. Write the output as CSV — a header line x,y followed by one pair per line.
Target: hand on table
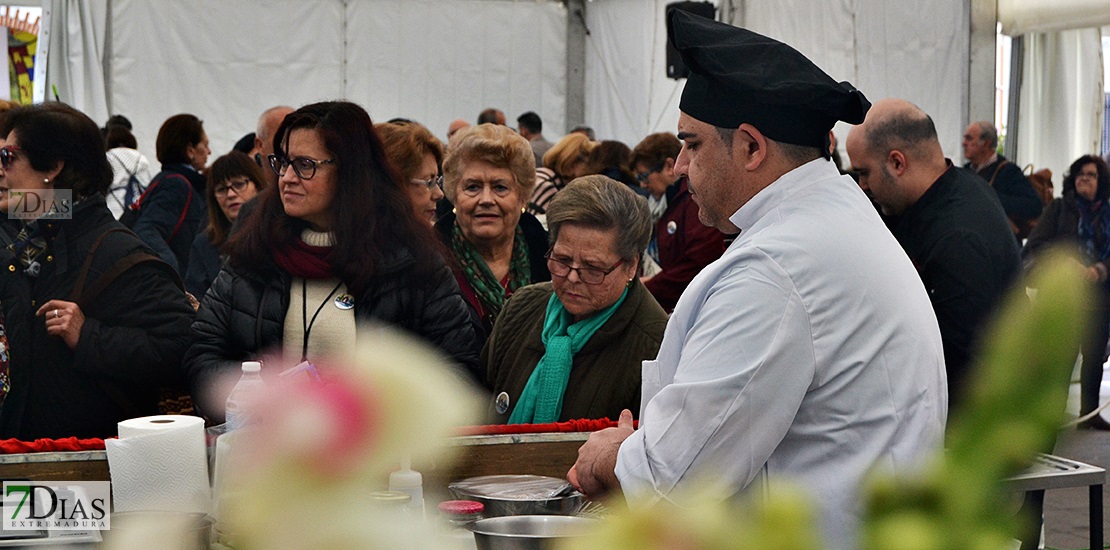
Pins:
x,y
64,320
594,473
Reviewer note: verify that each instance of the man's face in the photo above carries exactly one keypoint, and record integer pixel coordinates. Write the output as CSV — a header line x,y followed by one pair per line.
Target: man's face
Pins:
x,y
975,149
715,178
874,177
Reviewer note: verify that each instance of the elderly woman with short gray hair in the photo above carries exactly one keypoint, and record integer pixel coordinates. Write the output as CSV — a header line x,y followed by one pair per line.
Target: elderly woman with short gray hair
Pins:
x,y
497,248
572,348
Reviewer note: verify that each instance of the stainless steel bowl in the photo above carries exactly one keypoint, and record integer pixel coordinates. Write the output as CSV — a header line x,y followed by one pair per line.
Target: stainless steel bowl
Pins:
x,y
527,532
501,496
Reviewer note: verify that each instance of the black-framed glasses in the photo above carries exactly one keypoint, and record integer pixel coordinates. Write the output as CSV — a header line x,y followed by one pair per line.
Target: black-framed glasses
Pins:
x,y
304,167
238,186
7,155
430,183
589,275
642,177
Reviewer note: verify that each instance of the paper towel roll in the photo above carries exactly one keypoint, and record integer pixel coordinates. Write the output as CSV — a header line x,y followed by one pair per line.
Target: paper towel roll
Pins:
x,y
159,463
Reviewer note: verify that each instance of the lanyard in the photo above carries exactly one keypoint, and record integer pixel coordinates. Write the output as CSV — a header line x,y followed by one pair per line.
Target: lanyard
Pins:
x,y
304,314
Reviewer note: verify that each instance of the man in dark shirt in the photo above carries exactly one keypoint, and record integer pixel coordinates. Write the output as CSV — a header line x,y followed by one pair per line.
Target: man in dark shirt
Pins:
x,y
1019,199
950,224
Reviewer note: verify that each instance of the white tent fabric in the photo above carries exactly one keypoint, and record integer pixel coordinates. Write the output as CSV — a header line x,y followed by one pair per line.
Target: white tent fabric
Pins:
x,y
1023,16
435,61
1060,117
628,95
223,61
75,57
431,61
887,49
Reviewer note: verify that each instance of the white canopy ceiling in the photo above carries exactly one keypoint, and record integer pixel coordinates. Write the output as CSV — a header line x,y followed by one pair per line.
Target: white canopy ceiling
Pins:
x,y
434,61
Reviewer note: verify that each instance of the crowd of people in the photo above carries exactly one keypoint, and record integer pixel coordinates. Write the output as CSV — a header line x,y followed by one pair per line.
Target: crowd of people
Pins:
x,y
727,285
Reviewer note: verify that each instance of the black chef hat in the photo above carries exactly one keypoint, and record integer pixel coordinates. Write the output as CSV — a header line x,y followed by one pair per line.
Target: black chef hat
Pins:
x,y
738,76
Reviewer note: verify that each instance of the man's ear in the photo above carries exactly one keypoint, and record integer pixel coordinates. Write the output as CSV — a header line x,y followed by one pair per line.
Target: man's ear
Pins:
x,y
896,160
749,142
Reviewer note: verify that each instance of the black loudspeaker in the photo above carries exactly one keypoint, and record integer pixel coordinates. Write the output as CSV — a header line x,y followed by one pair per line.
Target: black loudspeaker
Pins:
x,y
676,69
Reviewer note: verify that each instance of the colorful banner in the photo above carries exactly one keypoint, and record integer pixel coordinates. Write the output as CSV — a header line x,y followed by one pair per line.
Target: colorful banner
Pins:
x,y
21,64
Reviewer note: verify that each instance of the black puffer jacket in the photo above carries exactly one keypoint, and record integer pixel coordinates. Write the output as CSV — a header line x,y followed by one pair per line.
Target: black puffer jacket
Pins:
x,y
135,332
243,315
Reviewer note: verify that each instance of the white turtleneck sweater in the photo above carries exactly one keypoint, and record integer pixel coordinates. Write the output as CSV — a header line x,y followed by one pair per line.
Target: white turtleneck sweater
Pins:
x,y
334,329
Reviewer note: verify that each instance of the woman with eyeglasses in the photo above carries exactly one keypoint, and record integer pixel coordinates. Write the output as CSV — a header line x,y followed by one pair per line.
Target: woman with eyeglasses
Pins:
x,y
496,248
94,323
566,160
171,210
233,180
418,155
333,248
573,348
1081,216
681,246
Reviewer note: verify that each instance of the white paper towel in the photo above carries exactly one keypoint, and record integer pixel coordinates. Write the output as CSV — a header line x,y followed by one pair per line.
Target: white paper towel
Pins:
x,y
159,463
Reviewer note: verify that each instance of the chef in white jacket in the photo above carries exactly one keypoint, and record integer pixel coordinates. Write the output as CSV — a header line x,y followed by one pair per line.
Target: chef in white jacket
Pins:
x,y
809,351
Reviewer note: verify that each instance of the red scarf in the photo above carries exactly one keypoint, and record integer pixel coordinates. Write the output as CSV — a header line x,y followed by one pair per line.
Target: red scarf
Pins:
x,y
304,261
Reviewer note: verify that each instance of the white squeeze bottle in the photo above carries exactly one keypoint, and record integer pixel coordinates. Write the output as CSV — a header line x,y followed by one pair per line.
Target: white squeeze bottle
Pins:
x,y
249,384
408,481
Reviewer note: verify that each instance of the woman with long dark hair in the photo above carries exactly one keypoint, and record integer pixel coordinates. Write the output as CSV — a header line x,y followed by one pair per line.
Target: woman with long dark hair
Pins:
x,y
1081,216
334,244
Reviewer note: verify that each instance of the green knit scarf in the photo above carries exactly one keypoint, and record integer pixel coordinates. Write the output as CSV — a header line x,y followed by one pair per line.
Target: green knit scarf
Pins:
x,y
542,399
478,274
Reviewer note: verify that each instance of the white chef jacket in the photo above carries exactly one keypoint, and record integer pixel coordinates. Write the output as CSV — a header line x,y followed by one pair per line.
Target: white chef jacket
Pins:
x,y
808,351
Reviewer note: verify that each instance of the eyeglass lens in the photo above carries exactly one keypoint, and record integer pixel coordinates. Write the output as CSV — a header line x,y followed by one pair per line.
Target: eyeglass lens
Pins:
x,y
589,275
434,181
304,167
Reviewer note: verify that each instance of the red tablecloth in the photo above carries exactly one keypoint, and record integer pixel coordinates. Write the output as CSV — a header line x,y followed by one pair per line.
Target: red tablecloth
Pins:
x,y
12,446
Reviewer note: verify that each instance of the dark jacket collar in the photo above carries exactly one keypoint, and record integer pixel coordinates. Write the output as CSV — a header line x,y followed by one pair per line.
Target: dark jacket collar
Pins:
x,y
196,179
675,190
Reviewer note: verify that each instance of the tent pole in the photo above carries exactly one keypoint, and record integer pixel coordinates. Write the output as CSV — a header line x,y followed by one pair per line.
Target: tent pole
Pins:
x,y
982,37
1017,66
576,64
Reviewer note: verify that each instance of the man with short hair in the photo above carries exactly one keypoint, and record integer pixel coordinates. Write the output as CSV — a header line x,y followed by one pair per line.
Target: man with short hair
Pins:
x,y
530,127
584,130
951,225
1019,199
491,116
809,351
268,123
455,127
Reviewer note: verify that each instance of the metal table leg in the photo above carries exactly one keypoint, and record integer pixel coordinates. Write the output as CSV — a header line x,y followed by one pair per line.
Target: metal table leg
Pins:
x,y
1095,492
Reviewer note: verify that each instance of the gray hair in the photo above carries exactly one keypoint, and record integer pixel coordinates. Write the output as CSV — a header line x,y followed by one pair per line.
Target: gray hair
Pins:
x,y
988,133
493,143
600,202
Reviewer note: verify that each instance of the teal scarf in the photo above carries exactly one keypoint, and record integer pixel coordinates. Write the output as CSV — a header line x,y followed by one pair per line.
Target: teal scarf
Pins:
x,y
542,398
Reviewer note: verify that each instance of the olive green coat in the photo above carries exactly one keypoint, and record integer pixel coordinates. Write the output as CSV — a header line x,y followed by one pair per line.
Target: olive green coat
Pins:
x,y
605,377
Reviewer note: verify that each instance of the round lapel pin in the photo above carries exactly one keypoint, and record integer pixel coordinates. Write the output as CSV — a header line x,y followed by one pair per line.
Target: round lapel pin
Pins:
x,y
501,404
671,227
344,301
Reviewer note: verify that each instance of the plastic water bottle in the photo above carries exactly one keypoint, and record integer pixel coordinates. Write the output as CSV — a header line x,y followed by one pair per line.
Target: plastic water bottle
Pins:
x,y
249,384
